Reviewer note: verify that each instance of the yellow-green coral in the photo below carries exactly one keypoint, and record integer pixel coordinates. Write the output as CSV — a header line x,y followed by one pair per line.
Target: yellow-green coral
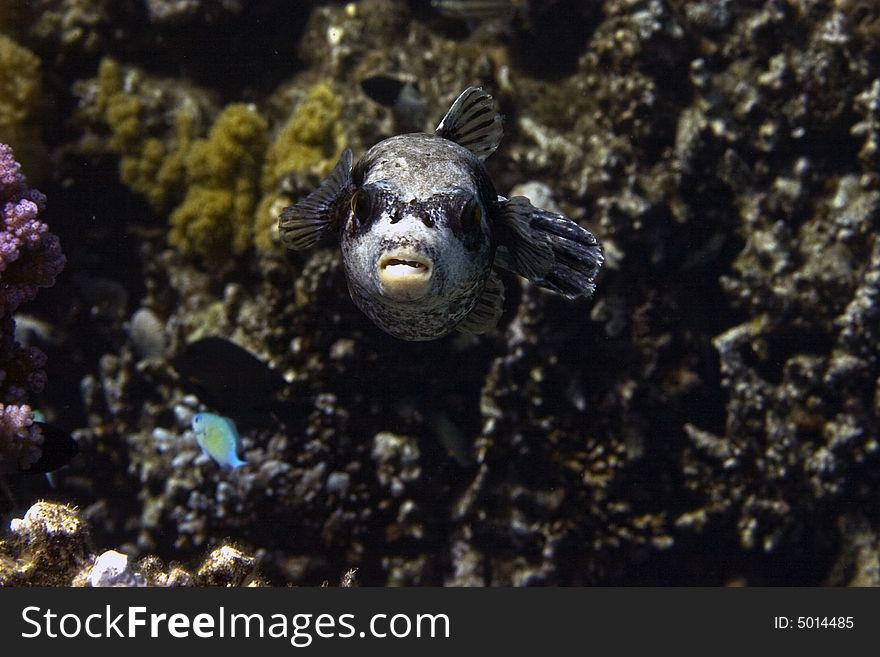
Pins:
x,y
149,166
157,171
215,219
309,142
20,91
19,82
121,110
225,186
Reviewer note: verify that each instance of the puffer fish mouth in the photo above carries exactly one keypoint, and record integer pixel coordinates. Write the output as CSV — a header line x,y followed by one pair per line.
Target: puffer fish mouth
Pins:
x,y
404,275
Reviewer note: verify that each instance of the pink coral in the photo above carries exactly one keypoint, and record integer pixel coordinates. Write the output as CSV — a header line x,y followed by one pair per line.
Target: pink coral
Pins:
x,y
30,258
19,437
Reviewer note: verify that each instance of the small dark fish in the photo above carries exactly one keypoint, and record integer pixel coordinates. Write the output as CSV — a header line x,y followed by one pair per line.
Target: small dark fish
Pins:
x,y
106,298
421,229
477,10
384,89
448,434
228,377
409,109
58,449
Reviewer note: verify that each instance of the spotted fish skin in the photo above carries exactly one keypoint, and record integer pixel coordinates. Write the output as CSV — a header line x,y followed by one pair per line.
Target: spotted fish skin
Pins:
x,y
419,186
422,229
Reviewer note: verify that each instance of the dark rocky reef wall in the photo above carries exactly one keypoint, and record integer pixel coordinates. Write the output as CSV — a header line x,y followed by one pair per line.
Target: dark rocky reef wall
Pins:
x,y
710,417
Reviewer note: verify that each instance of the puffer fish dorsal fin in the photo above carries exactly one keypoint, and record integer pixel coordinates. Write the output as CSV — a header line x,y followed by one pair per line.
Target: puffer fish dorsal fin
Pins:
x,y
303,224
548,248
485,315
473,122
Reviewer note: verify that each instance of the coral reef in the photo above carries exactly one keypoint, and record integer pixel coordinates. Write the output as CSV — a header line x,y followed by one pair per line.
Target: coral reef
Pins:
x,y
51,546
152,153
308,143
310,140
20,100
178,11
710,417
30,258
19,438
20,78
48,546
67,26
226,187
215,218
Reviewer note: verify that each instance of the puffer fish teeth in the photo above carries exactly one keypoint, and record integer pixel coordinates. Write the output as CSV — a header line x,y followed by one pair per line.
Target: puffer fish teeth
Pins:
x,y
422,229
404,275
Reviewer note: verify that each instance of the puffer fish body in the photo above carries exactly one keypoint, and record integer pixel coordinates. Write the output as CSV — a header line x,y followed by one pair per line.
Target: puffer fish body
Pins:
x,y
417,273
422,228
218,438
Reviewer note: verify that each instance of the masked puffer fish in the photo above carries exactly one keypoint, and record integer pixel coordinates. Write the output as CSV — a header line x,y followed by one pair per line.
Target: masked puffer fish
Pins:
x,y
421,229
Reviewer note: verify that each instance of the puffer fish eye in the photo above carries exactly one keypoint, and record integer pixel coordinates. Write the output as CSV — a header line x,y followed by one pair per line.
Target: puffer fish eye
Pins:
x,y
471,215
360,205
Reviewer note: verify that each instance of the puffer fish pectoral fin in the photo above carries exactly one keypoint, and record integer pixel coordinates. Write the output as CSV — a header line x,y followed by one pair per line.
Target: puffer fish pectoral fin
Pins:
x,y
522,250
485,315
303,224
548,248
473,122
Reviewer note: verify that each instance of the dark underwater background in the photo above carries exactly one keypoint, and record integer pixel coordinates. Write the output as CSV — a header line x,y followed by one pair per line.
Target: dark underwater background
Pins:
x,y
709,417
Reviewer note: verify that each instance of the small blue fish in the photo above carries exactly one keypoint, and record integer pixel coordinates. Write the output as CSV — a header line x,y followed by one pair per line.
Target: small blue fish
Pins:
x,y
218,438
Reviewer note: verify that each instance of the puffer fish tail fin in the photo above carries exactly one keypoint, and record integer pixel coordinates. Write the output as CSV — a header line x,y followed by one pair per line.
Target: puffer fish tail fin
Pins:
x,y
303,224
548,248
473,122
485,315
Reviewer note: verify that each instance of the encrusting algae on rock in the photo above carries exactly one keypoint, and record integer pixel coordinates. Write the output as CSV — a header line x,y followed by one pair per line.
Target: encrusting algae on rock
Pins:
x,y
710,418
20,97
215,219
222,189
46,547
51,545
148,165
309,142
212,183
